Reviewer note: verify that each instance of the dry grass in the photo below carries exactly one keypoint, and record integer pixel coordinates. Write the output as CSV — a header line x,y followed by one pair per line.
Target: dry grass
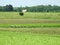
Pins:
x,y
19,21
33,30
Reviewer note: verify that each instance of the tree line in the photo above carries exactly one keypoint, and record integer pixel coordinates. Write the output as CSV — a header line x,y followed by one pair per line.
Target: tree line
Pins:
x,y
39,8
6,8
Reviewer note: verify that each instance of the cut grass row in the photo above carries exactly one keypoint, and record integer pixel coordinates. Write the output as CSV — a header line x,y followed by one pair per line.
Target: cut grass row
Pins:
x,y
25,21
44,30
29,25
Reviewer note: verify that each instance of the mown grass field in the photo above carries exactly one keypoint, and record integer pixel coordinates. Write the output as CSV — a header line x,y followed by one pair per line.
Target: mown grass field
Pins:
x,y
34,28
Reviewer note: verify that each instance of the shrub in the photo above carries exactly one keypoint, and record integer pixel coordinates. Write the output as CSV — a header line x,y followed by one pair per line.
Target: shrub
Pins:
x,y
21,13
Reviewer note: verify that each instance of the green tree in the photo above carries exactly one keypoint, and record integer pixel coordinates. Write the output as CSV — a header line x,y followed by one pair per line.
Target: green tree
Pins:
x,y
8,8
0,8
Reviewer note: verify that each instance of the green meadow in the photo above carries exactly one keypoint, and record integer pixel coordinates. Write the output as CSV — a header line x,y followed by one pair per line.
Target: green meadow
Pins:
x,y
33,28
20,38
30,15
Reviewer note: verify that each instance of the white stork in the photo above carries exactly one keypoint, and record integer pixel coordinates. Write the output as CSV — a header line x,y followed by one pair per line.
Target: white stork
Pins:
x,y
24,10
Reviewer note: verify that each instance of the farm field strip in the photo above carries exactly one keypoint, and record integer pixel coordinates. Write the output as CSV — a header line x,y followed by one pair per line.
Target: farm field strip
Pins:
x,y
44,30
30,15
30,25
22,21
19,38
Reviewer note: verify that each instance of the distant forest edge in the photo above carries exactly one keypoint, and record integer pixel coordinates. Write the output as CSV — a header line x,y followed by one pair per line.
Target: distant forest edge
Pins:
x,y
39,8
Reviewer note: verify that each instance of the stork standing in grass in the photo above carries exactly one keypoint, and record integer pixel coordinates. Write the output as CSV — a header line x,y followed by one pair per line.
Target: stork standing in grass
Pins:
x,y
22,12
